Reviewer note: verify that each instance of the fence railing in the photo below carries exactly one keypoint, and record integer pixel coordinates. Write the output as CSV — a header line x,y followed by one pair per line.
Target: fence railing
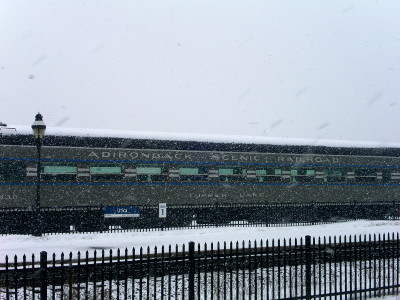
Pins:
x,y
92,218
344,267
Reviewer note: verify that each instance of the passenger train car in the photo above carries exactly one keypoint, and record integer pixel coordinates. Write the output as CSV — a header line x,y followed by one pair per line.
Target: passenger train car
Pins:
x,y
85,170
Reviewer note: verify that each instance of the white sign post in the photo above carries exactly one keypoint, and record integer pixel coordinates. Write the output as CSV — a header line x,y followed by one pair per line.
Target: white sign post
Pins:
x,y
162,210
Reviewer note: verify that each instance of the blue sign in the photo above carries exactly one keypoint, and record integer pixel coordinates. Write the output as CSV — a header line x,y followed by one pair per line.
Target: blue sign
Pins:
x,y
121,211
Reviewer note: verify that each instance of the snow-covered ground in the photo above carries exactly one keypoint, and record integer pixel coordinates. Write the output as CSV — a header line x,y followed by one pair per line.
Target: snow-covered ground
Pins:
x,y
387,298
24,244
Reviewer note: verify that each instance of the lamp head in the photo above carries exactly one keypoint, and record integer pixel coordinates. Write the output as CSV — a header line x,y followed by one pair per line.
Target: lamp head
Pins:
x,y
39,127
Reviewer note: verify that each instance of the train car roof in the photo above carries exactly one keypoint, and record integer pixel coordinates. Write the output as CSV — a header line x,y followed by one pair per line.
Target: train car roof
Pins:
x,y
76,137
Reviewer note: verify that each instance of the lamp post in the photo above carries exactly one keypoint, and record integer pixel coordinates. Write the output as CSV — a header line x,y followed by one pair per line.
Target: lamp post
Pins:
x,y
39,128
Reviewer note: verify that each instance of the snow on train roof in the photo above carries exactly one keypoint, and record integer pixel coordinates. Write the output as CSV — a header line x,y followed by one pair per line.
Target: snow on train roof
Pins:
x,y
211,138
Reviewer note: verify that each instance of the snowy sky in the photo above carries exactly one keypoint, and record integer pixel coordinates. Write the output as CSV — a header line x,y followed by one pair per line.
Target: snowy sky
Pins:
x,y
301,68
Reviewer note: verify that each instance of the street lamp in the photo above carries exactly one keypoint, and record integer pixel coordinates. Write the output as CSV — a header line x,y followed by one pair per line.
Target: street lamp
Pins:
x,y
39,128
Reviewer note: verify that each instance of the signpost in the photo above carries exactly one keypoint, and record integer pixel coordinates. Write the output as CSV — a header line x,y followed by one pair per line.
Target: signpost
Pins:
x,y
121,212
162,210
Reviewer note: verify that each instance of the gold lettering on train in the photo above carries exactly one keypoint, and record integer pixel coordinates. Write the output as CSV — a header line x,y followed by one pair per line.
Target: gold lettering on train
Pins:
x,y
298,160
238,157
139,155
223,157
207,195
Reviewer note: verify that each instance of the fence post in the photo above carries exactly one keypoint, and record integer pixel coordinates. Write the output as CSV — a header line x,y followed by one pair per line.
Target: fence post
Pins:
x,y
102,220
191,270
314,216
308,267
43,275
266,213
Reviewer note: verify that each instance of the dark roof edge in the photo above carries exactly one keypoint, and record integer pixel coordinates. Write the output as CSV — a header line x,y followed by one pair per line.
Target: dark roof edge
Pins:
x,y
116,142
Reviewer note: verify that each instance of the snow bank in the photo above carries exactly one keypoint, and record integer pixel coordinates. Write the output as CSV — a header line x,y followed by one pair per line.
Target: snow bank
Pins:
x,y
24,244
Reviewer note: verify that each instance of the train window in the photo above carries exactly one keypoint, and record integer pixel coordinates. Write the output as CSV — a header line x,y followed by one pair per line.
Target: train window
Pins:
x,y
365,172
386,176
232,174
106,173
12,171
233,171
335,175
365,175
188,171
268,174
59,173
148,170
105,170
309,172
395,175
293,175
390,176
302,175
193,174
261,172
150,173
225,171
59,169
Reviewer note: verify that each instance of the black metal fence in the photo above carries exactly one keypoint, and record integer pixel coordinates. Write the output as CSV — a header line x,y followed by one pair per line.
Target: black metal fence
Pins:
x,y
345,267
91,219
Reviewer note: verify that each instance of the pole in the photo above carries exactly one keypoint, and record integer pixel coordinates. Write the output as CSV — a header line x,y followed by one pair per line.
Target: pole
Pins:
x,y
191,271
37,215
308,267
43,275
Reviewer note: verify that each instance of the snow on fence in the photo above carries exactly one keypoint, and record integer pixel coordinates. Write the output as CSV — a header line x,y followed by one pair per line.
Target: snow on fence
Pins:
x,y
344,267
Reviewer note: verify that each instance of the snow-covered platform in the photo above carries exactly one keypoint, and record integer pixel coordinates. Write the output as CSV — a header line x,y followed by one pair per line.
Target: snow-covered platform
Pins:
x,y
23,244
